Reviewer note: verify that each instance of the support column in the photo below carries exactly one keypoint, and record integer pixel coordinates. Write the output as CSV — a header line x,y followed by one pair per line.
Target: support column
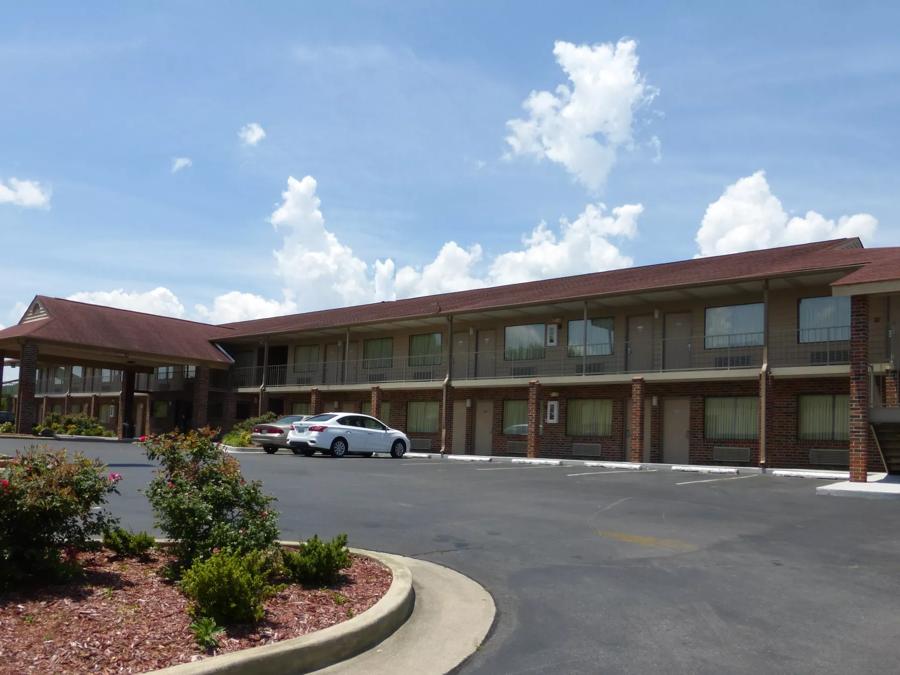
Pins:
x,y
860,442
2,361
376,402
126,405
229,408
27,406
766,414
892,389
200,410
638,392
93,405
447,419
533,448
263,401
315,402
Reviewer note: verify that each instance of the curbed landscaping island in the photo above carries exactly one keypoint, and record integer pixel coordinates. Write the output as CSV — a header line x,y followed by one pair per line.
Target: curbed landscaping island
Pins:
x,y
220,583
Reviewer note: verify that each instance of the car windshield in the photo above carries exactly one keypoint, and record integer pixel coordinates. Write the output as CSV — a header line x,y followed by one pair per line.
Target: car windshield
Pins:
x,y
290,419
320,418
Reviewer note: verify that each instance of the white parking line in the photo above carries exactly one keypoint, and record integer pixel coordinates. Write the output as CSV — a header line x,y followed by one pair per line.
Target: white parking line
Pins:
x,y
597,473
713,480
519,468
422,464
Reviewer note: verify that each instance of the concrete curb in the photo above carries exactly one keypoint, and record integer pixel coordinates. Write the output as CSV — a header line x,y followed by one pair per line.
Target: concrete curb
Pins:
x,y
698,468
324,647
469,458
810,473
539,462
239,449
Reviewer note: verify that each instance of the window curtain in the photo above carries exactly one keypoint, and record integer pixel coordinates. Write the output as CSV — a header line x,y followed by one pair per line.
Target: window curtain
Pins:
x,y
300,409
425,350
422,417
732,418
306,358
378,353
824,418
589,417
515,417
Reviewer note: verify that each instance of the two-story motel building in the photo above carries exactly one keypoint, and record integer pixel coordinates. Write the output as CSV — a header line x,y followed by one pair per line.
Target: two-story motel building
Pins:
x,y
781,358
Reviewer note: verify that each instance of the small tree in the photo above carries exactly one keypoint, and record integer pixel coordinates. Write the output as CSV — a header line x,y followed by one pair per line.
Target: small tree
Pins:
x,y
50,508
201,500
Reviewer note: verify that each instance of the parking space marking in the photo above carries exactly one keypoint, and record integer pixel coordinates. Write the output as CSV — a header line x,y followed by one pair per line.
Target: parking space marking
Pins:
x,y
519,468
421,464
598,473
643,540
713,480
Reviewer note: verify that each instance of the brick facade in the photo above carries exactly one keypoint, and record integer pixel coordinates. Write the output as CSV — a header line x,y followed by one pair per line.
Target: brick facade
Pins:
x,y
533,444
315,402
891,389
126,405
200,407
27,407
376,402
860,441
638,392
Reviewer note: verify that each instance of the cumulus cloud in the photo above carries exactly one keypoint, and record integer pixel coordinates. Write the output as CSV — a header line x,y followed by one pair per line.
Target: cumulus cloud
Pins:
x,y
251,134
28,194
238,306
160,300
748,216
179,163
322,271
581,125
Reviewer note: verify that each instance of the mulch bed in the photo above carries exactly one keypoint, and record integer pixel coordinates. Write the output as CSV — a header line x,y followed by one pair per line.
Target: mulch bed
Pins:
x,y
123,617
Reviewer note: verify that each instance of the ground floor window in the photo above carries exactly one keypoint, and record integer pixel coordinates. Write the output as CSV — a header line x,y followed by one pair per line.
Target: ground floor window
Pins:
x,y
385,416
160,409
589,417
515,418
422,417
732,418
75,408
300,409
108,413
824,417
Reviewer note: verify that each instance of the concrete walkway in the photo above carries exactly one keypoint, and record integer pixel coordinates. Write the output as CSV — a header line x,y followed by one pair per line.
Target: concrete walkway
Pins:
x,y
878,486
451,618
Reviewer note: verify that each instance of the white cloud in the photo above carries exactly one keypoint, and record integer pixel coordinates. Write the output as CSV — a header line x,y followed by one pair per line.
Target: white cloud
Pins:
x,y
179,163
251,134
582,125
160,300
26,193
238,306
321,271
748,217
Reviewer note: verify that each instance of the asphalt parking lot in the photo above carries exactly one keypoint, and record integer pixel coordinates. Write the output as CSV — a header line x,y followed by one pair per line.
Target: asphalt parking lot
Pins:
x,y
595,570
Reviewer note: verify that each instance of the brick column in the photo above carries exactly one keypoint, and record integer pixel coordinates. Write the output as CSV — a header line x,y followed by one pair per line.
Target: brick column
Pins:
x,y
447,420
200,411
126,405
766,415
892,389
315,402
376,402
533,448
2,361
229,408
860,441
93,412
26,415
638,392
263,402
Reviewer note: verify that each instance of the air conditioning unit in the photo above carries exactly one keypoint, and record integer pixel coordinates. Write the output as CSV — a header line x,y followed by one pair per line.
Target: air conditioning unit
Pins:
x,y
733,361
423,375
590,368
824,357
522,371
377,377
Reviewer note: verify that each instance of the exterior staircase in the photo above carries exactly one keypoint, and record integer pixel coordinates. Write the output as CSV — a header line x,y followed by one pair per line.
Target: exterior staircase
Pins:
x,y
887,435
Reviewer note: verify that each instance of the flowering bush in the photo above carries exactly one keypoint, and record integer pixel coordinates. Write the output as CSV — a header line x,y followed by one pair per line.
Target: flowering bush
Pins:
x,y
50,508
74,425
202,502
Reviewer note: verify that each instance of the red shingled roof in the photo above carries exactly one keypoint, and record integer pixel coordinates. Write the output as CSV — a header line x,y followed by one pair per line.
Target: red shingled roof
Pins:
x,y
717,269
122,330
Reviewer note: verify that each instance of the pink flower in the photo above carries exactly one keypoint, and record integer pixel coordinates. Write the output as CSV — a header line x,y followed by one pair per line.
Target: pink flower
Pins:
x,y
115,477
4,484
143,438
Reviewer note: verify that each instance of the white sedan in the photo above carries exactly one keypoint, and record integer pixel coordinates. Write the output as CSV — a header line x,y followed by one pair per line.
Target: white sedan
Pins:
x,y
340,434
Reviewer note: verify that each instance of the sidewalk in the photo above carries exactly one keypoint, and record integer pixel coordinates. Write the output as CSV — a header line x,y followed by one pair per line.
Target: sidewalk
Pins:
x,y
451,618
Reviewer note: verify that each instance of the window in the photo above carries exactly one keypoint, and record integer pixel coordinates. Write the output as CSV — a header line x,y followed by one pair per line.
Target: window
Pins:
x,y
107,412
599,337
422,417
300,408
189,372
75,409
306,358
524,342
378,353
732,418
425,350
825,417
160,409
163,373
385,416
589,417
77,378
824,319
734,326
515,418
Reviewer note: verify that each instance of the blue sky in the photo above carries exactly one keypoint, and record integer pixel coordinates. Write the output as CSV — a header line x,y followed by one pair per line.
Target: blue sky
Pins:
x,y
398,112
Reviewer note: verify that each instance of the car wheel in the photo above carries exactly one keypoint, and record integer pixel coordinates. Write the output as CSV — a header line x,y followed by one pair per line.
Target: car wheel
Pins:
x,y
308,452
398,449
339,447
270,449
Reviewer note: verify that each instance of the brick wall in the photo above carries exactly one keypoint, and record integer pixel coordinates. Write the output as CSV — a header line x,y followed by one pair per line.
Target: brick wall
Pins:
x,y
27,408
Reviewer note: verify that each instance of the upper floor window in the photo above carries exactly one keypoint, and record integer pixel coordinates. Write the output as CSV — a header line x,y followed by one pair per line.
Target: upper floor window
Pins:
x,y
306,357
163,373
824,319
425,350
524,342
591,338
734,326
378,353
190,372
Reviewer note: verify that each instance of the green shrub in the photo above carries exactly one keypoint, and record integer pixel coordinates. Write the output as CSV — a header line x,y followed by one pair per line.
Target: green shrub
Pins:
x,y
127,544
207,633
239,435
237,439
229,587
201,501
7,428
50,508
317,562
249,423
73,425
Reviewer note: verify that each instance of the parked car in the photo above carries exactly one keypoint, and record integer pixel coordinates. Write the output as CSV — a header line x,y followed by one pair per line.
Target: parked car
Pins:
x,y
340,434
273,435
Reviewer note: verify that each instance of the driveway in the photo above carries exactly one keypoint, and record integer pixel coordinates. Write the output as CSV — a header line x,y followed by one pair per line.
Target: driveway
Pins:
x,y
610,571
